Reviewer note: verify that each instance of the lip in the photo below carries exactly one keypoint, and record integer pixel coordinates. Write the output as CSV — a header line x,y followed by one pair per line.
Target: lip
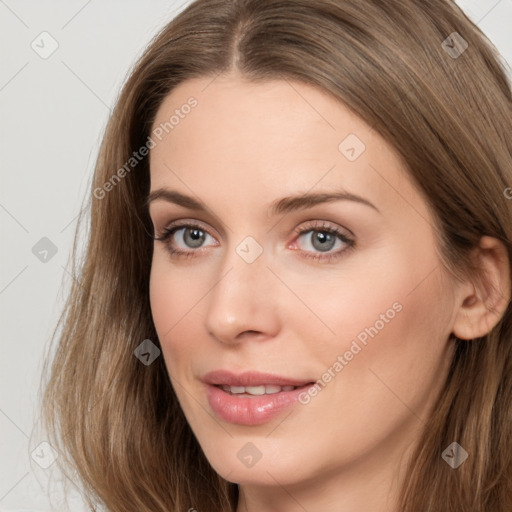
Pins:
x,y
220,377
255,410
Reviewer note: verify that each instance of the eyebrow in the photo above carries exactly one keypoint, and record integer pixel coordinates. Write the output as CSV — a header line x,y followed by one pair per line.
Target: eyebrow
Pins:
x,y
278,207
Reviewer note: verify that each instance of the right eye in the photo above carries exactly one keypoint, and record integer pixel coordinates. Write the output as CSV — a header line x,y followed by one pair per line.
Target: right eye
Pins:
x,y
184,238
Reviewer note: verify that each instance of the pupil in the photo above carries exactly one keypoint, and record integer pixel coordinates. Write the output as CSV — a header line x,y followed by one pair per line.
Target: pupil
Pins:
x,y
196,237
323,241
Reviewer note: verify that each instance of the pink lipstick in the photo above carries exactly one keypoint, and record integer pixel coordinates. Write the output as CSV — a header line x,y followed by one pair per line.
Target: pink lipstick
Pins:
x,y
251,398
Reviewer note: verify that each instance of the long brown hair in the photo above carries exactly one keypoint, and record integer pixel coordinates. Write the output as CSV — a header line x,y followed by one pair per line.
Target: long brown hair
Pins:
x,y
446,108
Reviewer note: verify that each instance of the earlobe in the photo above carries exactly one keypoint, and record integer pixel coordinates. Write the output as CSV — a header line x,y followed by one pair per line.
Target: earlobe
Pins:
x,y
482,308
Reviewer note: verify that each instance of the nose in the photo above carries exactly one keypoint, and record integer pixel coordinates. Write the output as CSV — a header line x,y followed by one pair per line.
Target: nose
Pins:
x,y
243,302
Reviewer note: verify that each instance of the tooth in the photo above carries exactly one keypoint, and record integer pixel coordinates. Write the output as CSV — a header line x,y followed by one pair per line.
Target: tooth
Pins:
x,y
270,388
255,390
288,388
225,387
237,389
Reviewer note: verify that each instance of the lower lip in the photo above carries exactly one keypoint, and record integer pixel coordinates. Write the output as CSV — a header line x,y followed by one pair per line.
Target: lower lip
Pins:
x,y
256,410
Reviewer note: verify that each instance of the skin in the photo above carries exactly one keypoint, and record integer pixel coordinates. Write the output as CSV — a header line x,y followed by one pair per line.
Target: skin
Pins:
x,y
244,146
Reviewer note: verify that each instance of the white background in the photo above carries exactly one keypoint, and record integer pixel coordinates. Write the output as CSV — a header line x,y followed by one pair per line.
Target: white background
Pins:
x,y
53,112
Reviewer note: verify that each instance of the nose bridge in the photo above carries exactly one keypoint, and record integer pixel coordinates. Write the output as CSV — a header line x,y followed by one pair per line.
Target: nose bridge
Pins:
x,y
241,298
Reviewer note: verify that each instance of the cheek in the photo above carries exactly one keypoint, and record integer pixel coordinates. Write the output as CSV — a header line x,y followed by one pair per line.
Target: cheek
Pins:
x,y
360,303
389,383
394,348
390,320
173,298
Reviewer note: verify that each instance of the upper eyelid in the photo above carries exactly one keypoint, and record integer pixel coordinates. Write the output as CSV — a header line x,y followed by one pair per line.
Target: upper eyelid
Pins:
x,y
206,225
183,224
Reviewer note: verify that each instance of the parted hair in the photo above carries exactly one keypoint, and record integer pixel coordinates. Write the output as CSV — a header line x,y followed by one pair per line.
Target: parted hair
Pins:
x,y
446,109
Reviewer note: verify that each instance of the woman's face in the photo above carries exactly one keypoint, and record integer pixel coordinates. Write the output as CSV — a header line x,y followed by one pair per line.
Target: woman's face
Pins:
x,y
275,283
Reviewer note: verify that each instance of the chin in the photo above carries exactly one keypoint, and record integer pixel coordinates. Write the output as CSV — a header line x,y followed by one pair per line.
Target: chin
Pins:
x,y
256,460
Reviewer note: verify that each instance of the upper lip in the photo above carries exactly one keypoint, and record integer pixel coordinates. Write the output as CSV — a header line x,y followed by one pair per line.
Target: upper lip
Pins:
x,y
225,377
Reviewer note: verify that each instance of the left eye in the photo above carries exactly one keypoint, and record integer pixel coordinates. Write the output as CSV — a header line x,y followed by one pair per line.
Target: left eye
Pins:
x,y
322,241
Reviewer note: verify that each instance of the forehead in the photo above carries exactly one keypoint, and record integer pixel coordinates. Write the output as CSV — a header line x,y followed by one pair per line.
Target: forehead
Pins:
x,y
269,138
231,111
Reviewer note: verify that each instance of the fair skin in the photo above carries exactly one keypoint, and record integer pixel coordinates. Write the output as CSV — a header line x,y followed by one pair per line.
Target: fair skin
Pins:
x,y
243,147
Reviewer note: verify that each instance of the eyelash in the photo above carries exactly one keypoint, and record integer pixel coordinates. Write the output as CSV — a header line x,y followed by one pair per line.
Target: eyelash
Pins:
x,y
168,232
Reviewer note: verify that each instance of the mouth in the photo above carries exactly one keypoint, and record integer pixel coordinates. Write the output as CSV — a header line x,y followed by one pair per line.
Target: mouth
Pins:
x,y
252,391
252,398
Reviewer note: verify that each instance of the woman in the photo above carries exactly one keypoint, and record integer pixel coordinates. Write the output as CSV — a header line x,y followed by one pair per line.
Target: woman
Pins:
x,y
296,289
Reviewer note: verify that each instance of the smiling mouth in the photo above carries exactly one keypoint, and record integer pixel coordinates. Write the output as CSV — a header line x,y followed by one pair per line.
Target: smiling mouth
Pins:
x,y
252,391
252,399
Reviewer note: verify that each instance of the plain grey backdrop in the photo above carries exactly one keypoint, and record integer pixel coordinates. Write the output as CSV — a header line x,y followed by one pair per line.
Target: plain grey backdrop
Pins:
x,y
62,65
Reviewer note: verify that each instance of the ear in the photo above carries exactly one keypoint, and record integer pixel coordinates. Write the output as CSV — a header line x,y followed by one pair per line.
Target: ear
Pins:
x,y
483,303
